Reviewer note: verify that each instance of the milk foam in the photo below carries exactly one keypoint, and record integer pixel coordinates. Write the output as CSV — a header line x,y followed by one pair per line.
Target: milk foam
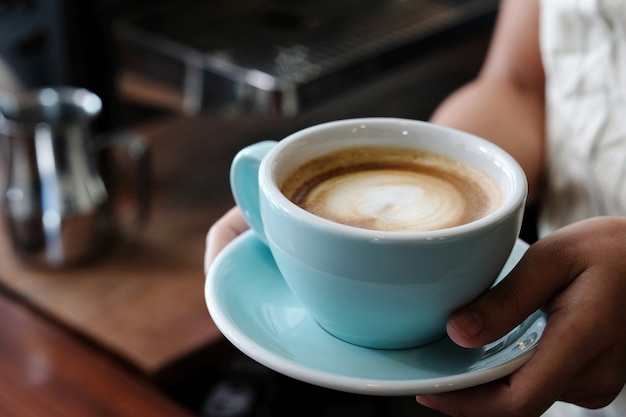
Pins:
x,y
392,189
387,200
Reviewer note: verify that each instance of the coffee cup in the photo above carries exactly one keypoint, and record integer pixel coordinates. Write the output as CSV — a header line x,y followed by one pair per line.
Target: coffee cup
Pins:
x,y
382,227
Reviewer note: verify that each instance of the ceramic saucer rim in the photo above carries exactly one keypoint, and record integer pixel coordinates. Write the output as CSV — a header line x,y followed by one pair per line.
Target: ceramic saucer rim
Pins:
x,y
358,385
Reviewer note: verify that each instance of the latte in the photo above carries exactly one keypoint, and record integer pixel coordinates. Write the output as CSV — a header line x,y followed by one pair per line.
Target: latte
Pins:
x,y
392,189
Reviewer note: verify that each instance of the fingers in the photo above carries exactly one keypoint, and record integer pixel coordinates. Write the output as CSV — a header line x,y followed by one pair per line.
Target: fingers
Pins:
x,y
587,371
224,230
578,276
525,392
522,292
476,401
495,399
600,381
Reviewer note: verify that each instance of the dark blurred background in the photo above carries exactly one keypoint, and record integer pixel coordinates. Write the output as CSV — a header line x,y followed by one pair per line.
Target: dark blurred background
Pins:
x,y
279,58
292,62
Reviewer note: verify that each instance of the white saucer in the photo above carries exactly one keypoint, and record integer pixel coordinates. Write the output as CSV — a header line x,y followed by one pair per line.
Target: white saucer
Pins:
x,y
253,307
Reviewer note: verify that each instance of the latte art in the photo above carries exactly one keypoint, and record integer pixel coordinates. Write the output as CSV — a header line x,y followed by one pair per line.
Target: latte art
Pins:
x,y
387,200
392,189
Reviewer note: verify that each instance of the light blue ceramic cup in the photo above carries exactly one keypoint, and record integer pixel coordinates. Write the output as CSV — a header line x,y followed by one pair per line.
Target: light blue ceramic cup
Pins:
x,y
387,290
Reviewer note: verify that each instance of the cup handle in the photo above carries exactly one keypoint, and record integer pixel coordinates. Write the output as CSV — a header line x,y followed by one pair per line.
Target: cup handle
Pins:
x,y
244,182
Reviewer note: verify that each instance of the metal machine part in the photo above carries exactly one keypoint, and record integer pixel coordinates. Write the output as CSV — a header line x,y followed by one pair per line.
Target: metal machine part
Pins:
x,y
283,57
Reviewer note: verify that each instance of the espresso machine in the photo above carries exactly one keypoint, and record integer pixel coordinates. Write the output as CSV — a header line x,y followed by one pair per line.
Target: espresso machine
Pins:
x,y
284,57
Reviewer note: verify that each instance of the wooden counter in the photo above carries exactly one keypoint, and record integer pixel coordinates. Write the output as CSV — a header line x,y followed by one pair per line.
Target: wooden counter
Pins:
x,y
48,371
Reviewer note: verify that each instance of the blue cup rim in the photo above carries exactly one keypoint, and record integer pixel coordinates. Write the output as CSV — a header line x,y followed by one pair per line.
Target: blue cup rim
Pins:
x,y
514,200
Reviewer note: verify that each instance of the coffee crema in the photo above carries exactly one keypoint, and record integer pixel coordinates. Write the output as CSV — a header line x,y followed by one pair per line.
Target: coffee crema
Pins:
x,y
392,189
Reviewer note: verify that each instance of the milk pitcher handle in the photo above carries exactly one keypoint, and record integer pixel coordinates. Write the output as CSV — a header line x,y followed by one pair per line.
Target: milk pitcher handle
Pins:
x,y
129,183
244,182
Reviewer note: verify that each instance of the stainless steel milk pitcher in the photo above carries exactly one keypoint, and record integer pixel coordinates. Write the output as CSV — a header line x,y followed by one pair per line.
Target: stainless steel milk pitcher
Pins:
x,y
56,203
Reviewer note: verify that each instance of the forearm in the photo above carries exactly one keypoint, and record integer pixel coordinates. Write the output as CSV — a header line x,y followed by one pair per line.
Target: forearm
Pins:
x,y
503,113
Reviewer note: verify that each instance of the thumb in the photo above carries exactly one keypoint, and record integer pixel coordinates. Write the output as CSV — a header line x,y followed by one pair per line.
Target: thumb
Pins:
x,y
530,285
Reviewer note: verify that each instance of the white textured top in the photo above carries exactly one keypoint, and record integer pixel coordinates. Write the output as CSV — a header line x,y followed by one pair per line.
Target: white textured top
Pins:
x,y
583,46
584,53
